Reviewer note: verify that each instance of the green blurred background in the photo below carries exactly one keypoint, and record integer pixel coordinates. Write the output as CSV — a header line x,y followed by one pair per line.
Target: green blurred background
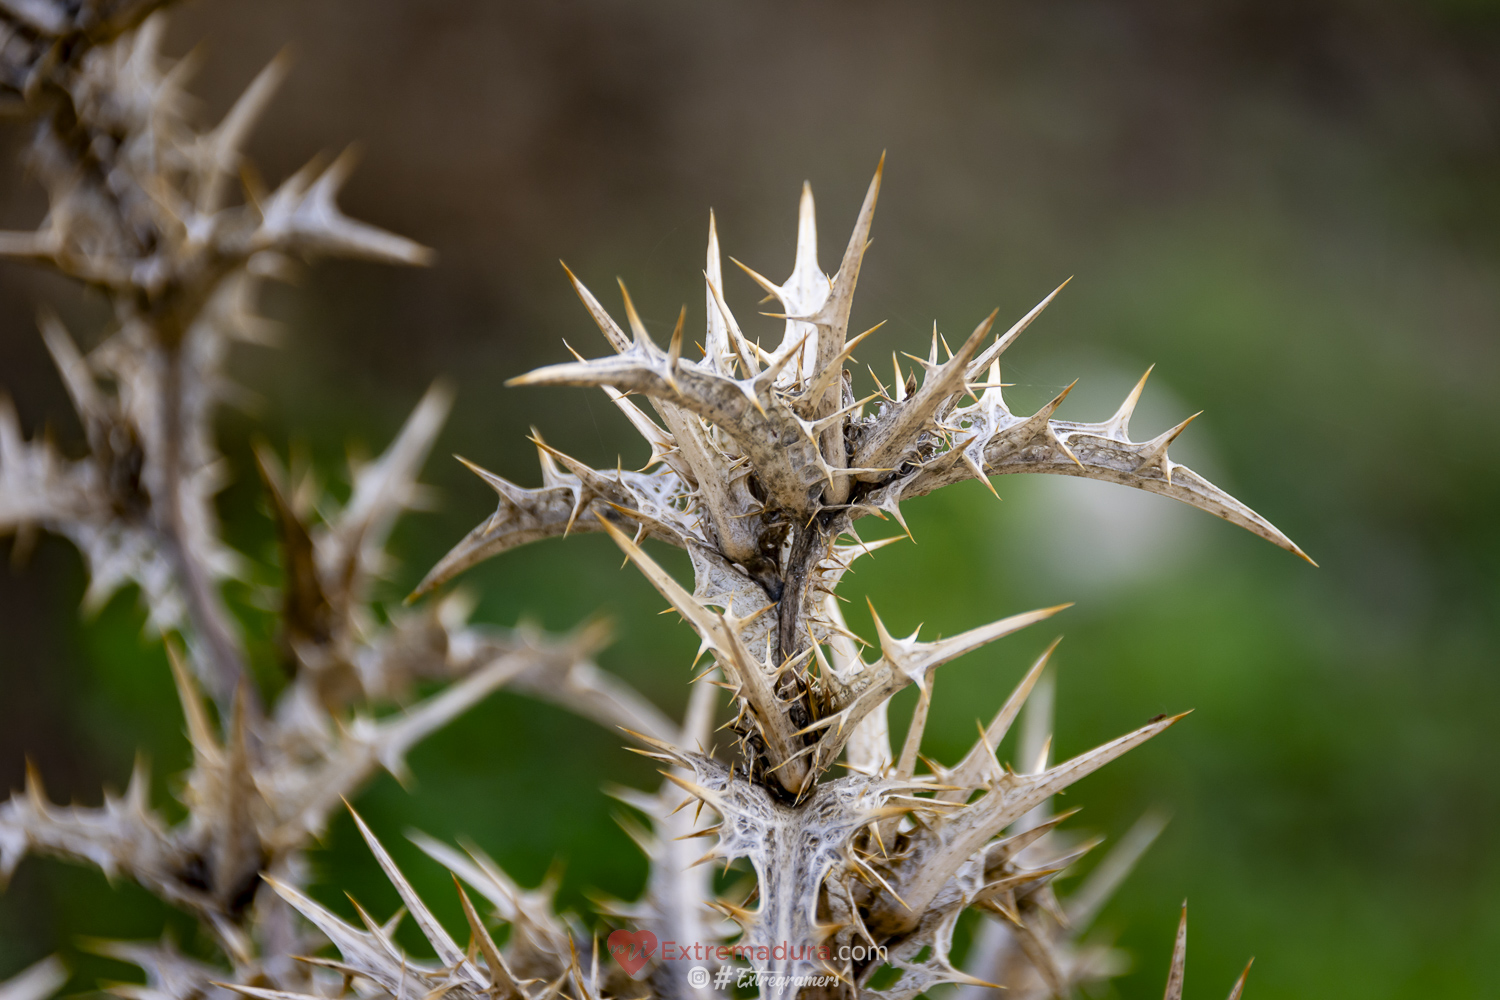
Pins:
x,y
1289,205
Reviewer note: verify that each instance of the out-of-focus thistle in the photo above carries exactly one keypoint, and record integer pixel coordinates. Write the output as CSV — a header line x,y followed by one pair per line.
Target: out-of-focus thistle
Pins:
x,y
761,463
140,209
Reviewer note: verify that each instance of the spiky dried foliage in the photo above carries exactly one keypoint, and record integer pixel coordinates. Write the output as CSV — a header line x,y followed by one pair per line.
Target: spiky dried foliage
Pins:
x,y
141,209
1178,971
761,463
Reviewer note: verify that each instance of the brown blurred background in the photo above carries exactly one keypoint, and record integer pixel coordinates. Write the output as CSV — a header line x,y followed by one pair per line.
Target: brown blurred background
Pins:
x,y
1290,206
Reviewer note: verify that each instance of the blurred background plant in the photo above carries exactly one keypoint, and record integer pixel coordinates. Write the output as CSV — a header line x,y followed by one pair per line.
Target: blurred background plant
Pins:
x,y
1290,205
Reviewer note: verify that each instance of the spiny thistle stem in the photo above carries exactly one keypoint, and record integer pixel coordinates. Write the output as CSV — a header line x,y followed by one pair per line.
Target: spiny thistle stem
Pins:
x,y
223,660
761,465
883,856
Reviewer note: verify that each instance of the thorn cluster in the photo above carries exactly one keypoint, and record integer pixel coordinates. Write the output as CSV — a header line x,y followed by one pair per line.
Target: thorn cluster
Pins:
x,y
761,462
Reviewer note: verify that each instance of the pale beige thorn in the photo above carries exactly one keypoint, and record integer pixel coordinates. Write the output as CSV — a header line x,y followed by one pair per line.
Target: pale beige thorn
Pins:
x,y
875,831
1120,422
963,978
1042,786
927,805
200,731
834,369
575,970
637,328
640,532
750,354
998,347
594,969
227,139
1014,845
674,350
651,741
234,128
895,511
446,948
1050,407
886,639
965,772
859,241
500,974
928,367
82,388
906,764
978,471
1155,450
896,434
36,794
988,748
1005,905
714,268
1063,446
824,668
1179,960
739,914
138,791
823,424
790,663
774,367
693,788
602,319
579,505
1040,423
690,800
900,379
652,754
822,723
551,474
770,287
722,346
496,483
807,231
1043,755
1239,984
863,547
883,883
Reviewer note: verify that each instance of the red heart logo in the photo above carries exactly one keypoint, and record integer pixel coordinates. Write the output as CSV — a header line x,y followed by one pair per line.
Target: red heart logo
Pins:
x,y
632,950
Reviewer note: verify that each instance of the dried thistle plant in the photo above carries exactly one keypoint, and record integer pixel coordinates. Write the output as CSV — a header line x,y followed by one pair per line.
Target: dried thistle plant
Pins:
x,y
760,466
761,463
140,211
